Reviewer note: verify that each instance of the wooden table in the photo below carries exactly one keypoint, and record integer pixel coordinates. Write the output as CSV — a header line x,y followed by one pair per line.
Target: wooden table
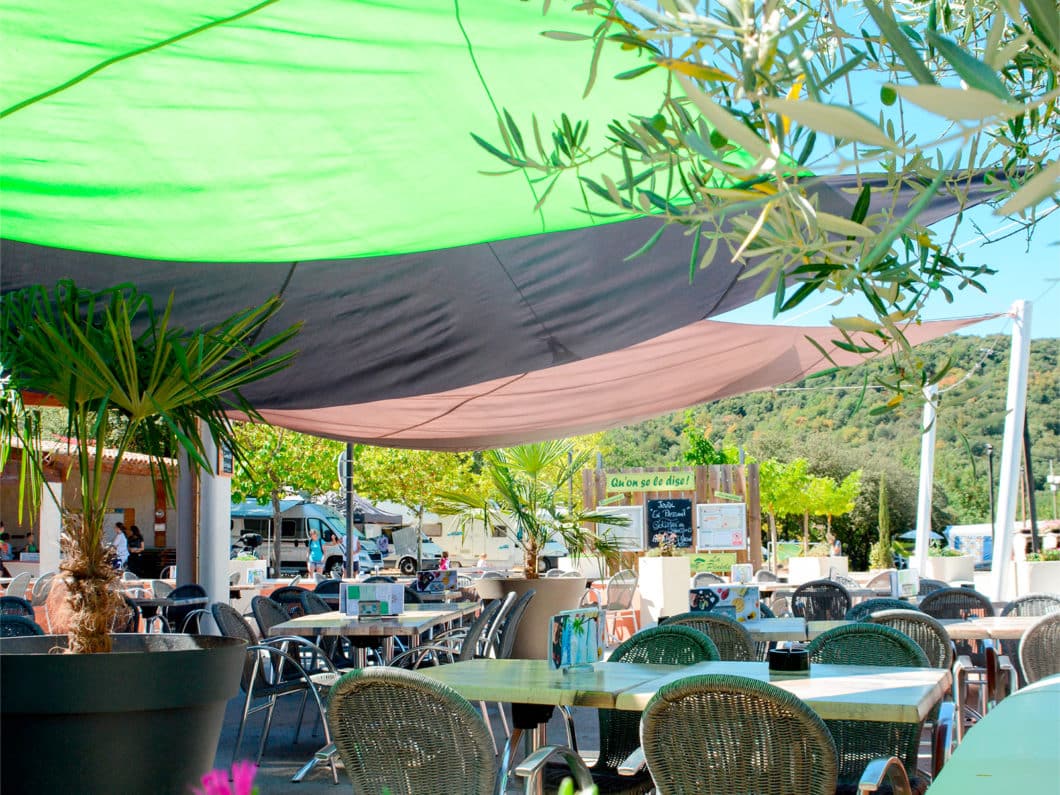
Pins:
x,y
991,627
775,630
411,624
1014,748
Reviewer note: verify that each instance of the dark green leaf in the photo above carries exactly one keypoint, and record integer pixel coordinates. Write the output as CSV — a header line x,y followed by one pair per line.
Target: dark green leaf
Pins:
x,y
647,246
973,71
630,74
900,43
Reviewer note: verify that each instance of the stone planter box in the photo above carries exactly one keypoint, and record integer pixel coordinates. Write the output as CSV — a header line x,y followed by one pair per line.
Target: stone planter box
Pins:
x,y
802,570
663,586
952,569
1037,576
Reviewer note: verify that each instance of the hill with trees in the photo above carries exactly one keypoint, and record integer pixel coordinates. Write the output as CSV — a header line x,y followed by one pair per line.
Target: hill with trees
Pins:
x,y
827,421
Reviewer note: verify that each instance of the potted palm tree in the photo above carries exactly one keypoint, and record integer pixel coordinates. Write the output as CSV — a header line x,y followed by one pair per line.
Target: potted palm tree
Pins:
x,y
526,489
146,717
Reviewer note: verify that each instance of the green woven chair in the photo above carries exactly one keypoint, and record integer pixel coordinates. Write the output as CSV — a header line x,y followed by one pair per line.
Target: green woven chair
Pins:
x,y
733,641
926,631
664,645
1040,648
859,742
863,610
399,732
728,734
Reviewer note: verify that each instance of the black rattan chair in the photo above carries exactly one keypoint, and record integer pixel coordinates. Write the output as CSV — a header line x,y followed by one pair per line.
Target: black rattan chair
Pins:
x,y
820,600
15,626
290,598
930,586
16,606
177,616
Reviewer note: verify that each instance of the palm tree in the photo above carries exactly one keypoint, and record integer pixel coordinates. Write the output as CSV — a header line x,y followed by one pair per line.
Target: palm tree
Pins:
x,y
527,484
126,377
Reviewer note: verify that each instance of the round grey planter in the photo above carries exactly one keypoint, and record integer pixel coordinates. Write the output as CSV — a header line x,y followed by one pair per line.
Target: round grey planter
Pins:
x,y
552,595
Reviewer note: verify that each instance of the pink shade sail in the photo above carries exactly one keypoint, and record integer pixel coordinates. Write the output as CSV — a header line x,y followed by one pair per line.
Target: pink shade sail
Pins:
x,y
695,364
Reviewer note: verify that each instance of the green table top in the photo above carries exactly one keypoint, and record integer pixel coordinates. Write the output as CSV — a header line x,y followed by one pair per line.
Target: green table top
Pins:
x,y
1015,748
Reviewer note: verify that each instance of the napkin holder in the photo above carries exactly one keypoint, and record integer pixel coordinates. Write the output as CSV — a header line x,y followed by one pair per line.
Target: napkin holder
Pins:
x,y
789,661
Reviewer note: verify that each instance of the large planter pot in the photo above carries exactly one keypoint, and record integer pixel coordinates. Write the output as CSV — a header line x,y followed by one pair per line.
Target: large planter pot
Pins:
x,y
663,584
802,570
1041,576
552,595
949,569
144,718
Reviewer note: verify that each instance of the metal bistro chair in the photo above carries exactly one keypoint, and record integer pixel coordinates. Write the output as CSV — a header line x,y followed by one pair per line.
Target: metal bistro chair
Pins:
x,y
820,600
18,585
41,588
618,598
269,673
734,642
704,578
619,729
444,746
1034,604
862,610
1040,648
858,742
15,626
290,597
16,606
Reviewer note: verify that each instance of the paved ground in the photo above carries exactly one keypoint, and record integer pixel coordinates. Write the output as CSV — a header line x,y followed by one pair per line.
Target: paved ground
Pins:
x,y
283,757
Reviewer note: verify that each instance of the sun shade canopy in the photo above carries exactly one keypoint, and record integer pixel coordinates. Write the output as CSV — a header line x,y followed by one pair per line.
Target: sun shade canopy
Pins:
x,y
322,151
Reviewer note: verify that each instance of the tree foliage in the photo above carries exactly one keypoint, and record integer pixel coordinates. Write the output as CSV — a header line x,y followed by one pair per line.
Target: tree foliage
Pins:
x,y
758,97
413,477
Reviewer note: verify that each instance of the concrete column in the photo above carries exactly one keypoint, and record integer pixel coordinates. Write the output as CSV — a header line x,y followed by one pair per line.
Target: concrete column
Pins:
x,y
927,480
215,508
186,568
1015,408
51,525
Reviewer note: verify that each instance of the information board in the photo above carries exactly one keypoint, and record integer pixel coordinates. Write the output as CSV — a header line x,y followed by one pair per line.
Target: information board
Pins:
x,y
670,516
631,537
721,525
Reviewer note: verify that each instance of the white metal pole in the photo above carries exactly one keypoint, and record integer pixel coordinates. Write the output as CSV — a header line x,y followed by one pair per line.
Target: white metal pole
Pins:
x,y
1015,405
215,519
927,479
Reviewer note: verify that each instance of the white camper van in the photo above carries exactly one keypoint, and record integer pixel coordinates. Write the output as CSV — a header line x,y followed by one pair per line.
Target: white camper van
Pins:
x,y
501,551
400,549
297,518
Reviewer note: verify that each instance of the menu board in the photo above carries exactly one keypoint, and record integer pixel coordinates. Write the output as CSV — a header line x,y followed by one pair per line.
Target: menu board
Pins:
x,y
666,517
631,537
721,525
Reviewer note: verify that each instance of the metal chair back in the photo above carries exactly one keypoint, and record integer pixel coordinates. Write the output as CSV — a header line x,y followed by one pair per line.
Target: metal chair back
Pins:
x,y
926,631
704,578
820,600
15,626
290,597
734,642
862,610
724,716
490,641
18,585
505,638
620,590
42,587
1040,648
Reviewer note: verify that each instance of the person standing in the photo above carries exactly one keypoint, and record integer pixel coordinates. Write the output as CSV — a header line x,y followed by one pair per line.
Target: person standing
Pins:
x,y
135,543
315,548
443,562
121,545
31,543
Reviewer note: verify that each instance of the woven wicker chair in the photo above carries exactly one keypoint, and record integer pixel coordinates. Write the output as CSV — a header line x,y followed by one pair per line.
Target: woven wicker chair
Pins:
x,y
820,600
14,626
1034,604
664,645
1040,648
618,598
180,617
862,610
16,606
925,631
960,603
733,641
329,589
704,578
270,672
400,732
707,735
859,742
930,586
290,597
268,613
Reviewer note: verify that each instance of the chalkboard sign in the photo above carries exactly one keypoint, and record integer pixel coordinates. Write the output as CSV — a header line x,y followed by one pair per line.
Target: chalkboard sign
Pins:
x,y
225,462
670,516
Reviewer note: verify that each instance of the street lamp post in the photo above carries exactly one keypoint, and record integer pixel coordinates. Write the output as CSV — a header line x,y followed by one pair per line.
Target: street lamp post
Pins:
x,y
990,470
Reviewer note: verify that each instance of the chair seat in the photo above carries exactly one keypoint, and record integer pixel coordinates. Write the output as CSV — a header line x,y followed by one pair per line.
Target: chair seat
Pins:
x,y
608,782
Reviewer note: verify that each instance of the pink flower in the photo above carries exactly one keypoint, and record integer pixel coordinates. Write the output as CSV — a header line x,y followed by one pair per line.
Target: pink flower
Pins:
x,y
216,781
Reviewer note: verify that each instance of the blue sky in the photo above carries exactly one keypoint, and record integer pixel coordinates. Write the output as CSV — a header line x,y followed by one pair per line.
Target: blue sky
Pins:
x,y
1031,272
